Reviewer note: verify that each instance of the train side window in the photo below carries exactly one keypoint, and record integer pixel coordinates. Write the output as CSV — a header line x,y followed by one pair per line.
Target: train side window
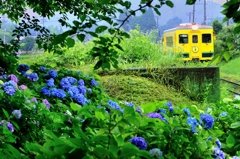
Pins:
x,y
194,39
206,38
183,38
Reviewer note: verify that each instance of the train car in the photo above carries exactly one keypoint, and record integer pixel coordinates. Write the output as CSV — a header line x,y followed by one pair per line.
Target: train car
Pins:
x,y
193,41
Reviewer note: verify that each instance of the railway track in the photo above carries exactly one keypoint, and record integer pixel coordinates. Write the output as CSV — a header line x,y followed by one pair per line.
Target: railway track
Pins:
x,y
235,86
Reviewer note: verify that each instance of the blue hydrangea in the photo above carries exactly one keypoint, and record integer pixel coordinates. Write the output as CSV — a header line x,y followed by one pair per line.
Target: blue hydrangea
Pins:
x,y
43,69
170,105
17,114
155,115
206,120
50,82
209,138
155,152
114,105
10,90
46,91
218,143
59,93
235,157
162,111
72,80
130,104
218,154
93,82
65,84
9,83
187,111
139,142
33,77
82,89
52,73
80,99
3,76
193,123
72,91
23,68
223,114
81,82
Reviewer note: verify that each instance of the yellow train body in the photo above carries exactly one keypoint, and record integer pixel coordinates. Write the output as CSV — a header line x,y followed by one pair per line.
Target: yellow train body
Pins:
x,y
193,41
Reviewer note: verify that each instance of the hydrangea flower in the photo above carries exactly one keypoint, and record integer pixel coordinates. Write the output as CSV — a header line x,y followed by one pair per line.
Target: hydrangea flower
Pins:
x,y
162,111
46,91
218,143
50,82
130,104
206,120
155,115
187,111
72,91
80,99
81,82
82,89
13,78
43,69
235,157
170,105
17,114
65,84
33,77
45,101
52,73
22,68
155,152
93,82
223,114
72,80
9,125
139,110
22,87
139,142
34,100
10,90
3,76
59,93
193,123
114,105
10,83
218,154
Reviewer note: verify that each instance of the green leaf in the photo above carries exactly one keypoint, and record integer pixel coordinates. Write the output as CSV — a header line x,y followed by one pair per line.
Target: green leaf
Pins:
x,y
170,4
93,34
5,113
99,115
101,29
60,38
149,107
70,42
190,2
53,65
235,125
81,37
227,56
230,141
74,106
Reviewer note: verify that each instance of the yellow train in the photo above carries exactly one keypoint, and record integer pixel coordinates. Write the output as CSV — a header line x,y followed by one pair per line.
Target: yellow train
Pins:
x,y
193,41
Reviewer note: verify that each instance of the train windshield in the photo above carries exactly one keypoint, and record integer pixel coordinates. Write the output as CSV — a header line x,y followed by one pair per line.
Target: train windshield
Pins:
x,y
194,39
206,38
183,38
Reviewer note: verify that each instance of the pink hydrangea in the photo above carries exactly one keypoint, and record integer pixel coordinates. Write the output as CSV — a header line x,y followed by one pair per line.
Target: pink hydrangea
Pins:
x,y
13,78
23,87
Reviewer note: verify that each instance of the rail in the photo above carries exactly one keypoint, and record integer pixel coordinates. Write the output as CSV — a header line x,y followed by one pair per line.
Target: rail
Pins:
x,y
236,86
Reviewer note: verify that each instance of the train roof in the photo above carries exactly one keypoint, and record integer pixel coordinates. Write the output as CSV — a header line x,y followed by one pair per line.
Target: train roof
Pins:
x,y
186,26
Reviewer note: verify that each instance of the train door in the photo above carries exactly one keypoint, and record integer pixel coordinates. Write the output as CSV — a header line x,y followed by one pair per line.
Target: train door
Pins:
x,y
195,49
183,43
207,46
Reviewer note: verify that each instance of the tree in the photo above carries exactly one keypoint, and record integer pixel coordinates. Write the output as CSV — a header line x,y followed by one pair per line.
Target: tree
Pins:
x,y
27,44
127,25
217,26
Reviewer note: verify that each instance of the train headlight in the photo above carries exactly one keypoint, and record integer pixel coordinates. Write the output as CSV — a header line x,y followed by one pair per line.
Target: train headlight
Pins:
x,y
194,27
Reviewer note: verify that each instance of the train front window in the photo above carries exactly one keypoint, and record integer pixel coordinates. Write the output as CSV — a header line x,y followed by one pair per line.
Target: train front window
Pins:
x,y
194,39
206,38
183,38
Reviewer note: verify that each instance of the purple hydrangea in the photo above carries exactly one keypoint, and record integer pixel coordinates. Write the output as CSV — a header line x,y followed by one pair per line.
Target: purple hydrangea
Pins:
x,y
43,69
170,105
218,154
193,123
114,105
46,91
9,125
45,101
59,93
155,115
206,120
34,100
17,114
155,152
33,77
139,142
50,82
81,82
235,157
93,82
139,110
13,78
23,68
52,73
22,87
10,90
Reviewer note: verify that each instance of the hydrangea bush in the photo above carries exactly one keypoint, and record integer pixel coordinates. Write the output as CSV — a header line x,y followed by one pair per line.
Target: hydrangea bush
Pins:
x,y
66,114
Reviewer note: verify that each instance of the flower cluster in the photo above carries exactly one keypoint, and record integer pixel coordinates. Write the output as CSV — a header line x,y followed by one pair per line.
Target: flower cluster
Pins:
x,y
139,142
114,105
170,105
17,114
93,82
45,101
155,152
8,124
130,104
43,69
218,153
155,115
206,120
187,111
23,68
193,123
33,76
13,78
9,87
52,74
